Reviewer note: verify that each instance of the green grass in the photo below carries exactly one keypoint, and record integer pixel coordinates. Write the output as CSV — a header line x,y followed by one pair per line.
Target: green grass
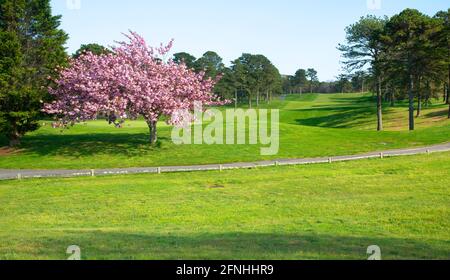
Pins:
x,y
311,125
306,212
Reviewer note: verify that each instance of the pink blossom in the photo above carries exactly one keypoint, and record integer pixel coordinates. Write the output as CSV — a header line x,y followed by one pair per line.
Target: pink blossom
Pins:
x,y
132,81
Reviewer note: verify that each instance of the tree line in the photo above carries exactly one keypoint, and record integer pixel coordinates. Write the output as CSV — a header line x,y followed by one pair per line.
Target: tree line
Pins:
x,y
406,57
248,73
250,79
253,78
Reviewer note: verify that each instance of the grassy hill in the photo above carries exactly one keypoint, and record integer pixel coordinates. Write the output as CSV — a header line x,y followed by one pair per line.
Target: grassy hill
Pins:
x,y
311,125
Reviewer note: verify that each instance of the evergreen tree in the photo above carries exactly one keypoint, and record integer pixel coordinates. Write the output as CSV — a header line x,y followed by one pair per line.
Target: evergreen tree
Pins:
x,y
300,81
313,79
93,48
443,44
211,63
256,75
363,48
31,48
185,57
408,43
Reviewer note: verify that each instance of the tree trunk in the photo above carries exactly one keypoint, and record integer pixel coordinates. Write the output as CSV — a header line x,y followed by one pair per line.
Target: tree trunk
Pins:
x,y
379,106
235,99
447,95
249,100
419,104
14,137
386,95
392,98
153,132
14,141
448,84
257,99
411,102
419,97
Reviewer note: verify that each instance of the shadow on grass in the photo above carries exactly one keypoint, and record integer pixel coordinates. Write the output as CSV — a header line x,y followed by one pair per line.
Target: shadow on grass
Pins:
x,y
336,117
129,144
441,113
123,245
346,112
366,100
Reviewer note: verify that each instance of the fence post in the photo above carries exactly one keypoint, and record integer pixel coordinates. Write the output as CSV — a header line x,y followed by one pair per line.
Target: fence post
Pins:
x,y
92,173
19,176
159,170
381,155
330,160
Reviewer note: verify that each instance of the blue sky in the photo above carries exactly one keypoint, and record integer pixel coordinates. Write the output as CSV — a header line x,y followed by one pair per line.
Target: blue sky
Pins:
x,y
293,34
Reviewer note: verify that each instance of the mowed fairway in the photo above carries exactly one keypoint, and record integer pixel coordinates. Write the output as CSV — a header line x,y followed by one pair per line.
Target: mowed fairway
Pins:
x,y
311,125
329,211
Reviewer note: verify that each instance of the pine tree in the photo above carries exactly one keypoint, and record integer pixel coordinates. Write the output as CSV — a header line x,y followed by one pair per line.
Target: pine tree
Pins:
x,y
93,48
31,48
363,48
407,38
443,44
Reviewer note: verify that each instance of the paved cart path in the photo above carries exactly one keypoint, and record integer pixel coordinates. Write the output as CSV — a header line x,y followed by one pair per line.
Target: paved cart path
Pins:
x,y
7,174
